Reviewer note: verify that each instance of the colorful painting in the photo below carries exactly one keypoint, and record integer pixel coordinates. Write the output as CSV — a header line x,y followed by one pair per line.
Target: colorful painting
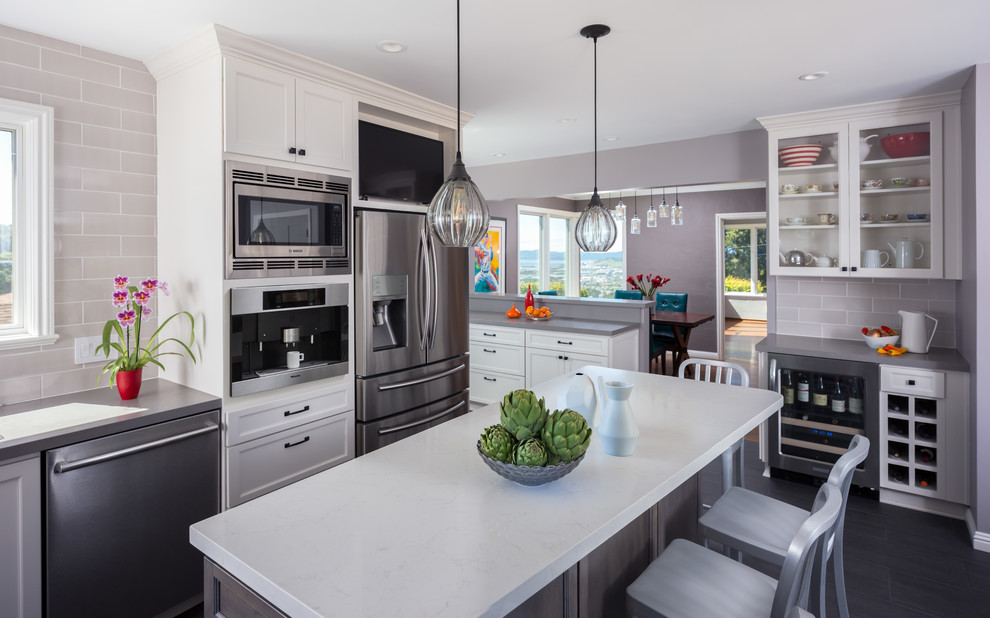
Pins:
x,y
489,270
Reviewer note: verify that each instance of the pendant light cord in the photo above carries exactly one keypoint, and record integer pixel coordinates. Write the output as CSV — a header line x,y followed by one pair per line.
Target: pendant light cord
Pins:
x,y
596,112
458,76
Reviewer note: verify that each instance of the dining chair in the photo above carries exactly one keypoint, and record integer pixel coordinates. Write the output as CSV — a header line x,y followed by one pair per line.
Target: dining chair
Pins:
x,y
548,293
761,526
689,580
662,336
721,372
629,294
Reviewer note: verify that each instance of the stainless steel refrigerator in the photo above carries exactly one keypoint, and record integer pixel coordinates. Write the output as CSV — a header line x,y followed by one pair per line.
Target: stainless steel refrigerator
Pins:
x,y
411,328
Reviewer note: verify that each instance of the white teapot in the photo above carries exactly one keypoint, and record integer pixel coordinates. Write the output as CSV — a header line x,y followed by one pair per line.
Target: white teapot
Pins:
x,y
904,252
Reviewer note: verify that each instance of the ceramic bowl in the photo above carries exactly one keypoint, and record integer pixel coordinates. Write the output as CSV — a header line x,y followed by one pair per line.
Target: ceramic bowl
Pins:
x,y
891,217
529,475
873,183
917,217
876,343
900,181
799,156
812,188
796,220
902,145
922,182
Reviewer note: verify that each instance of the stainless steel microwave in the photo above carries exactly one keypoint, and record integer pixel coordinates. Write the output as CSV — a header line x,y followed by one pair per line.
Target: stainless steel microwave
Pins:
x,y
283,222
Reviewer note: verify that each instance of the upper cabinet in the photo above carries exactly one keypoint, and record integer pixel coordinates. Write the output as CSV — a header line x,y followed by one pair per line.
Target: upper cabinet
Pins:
x,y
275,115
861,191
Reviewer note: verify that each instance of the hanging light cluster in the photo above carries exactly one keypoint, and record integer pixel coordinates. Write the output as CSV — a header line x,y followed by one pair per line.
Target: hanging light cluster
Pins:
x,y
675,213
634,223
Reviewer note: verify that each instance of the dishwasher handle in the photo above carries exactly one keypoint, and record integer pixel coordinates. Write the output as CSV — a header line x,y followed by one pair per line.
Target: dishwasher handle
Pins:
x,y
66,466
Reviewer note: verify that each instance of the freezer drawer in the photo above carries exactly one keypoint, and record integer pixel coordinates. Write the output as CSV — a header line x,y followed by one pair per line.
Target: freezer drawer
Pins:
x,y
263,465
117,519
374,435
382,396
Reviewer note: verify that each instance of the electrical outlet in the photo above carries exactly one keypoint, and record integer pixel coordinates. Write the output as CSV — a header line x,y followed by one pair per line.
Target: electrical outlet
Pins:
x,y
86,350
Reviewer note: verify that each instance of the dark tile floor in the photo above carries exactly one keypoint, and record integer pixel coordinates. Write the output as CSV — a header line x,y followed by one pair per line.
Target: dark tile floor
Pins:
x,y
899,562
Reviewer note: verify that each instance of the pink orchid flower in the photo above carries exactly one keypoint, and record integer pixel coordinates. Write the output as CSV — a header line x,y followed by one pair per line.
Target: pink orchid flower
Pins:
x,y
120,282
149,285
126,317
141,298
119,298
145,313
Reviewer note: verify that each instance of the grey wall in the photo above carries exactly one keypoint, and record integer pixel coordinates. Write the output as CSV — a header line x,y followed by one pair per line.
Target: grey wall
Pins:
x,y
105,204
688,254
731,157
974,289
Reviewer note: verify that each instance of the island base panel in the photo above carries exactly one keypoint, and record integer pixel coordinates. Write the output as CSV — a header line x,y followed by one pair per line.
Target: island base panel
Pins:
x,y
226,597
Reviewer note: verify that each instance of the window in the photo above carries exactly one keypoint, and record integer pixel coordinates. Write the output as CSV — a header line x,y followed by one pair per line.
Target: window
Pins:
x,y
25,225
745,253
604,273
547,251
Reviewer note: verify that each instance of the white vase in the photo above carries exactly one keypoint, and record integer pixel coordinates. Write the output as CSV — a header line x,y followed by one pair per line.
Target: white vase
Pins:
x,y
579,395
618,430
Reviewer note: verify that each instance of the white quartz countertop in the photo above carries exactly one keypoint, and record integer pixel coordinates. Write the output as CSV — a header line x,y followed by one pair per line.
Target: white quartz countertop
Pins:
x,y
557,324
424,528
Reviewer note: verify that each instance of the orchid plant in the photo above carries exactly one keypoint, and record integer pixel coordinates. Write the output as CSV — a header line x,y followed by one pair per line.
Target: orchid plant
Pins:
x,y
134,308
647,285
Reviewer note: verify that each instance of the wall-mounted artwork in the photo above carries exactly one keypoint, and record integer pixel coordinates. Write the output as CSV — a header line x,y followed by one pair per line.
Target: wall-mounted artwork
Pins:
x,y
489,269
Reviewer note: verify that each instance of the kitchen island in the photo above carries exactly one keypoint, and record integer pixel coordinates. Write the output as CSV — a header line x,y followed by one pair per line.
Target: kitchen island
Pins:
x,y
424,528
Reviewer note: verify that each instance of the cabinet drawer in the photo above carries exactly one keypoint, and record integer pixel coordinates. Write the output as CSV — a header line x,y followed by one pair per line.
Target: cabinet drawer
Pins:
x,y
492,386
496,357
912,381
497,334
260,466
263,420
567,342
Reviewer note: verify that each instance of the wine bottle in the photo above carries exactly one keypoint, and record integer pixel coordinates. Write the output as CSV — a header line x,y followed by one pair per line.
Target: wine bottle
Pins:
x,y
894,450
529,296
802,390
787,387
898,474
924,431
926,455
855,397
820,396
840,401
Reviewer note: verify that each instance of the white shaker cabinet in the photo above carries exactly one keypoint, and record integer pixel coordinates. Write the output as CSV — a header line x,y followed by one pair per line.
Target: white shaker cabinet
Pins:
x,y
275,115
20,538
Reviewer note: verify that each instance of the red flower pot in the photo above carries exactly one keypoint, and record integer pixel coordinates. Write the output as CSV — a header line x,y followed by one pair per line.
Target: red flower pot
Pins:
x,y
129,383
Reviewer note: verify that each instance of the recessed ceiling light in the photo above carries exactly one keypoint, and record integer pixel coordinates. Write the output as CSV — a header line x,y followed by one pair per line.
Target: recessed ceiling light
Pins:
x,y
566,120
808,77
498,154
610,139
392,47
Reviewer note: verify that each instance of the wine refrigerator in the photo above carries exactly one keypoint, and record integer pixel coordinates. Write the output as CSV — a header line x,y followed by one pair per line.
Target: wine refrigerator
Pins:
x,y
826,403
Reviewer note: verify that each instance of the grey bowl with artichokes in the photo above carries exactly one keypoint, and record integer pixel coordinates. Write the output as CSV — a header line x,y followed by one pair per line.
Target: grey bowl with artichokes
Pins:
x,y
532,446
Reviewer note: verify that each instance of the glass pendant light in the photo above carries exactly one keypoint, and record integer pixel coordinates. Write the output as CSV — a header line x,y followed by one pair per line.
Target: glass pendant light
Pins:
x,y
664,208
458,215
595,230
261,235
634,223
620,210
677,213
651,214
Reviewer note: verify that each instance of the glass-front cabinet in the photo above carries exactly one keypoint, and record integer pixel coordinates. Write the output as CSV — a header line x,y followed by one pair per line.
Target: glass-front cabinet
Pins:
x,y
858,196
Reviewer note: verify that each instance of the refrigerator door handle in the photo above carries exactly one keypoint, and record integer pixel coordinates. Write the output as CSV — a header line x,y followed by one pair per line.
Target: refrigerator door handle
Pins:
x,y
426,420
435,290
773,374
424,290
423,380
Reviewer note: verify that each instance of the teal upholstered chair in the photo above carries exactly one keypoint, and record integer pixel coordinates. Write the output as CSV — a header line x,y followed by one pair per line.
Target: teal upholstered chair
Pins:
x,y
662,336
629,294
548,293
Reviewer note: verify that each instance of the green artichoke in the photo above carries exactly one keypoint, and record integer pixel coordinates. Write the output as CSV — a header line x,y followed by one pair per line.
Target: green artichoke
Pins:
x,y
530,453
523,414
566,434
498,443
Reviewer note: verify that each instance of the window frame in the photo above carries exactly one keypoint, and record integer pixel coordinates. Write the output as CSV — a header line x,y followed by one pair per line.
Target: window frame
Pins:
x,y
33,230
754,267
572,280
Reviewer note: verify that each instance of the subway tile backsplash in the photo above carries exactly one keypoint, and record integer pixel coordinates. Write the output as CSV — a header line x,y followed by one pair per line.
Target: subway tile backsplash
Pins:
x,y
105,188
836,309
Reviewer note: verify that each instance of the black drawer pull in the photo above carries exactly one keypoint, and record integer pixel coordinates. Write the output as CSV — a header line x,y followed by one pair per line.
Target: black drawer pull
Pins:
x,y
565,342
910,382
489,334
490,379
290,413
302,152
487,350
567,358
291,444
559,357
292,150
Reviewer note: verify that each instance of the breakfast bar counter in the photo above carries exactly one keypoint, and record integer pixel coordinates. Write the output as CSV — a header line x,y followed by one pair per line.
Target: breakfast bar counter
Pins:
x,y
424,528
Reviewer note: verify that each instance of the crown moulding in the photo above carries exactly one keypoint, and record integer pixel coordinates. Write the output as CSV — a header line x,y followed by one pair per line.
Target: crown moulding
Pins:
x,y
216,40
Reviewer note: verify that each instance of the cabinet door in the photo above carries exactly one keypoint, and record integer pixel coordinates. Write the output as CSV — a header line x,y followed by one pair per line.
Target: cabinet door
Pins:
x,y
259,110
807,201
324,126
896,196
572,362
543,365
20,536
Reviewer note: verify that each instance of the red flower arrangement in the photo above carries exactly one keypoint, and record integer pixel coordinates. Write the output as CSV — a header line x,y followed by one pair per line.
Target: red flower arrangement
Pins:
x,y
648,284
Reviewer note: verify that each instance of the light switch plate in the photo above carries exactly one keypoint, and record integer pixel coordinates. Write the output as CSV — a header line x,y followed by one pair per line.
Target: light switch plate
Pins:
x,y
86,350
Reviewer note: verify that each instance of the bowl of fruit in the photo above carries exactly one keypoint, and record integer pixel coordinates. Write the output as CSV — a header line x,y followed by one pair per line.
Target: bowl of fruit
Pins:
x,y
538,313
530,445
877,338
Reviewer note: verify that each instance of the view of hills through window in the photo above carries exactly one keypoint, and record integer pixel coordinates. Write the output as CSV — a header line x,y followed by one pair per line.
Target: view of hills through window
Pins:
x,y
6,224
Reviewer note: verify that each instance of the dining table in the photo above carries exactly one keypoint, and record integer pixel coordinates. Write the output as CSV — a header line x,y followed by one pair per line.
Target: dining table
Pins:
x,y
682,323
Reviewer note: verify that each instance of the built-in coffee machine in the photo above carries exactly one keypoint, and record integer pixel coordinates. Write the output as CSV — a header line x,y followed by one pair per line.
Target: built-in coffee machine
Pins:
x,y
283,335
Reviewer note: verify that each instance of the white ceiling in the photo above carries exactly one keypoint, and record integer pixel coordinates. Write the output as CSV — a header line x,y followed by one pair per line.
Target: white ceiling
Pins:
x,y
668,70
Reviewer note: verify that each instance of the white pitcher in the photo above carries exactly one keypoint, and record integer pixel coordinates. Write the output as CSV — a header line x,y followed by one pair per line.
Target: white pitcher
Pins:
x,y
904,252
579,395
914,331
617,430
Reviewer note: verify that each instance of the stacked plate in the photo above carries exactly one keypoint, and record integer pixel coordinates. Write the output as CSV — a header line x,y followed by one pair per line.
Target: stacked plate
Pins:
x,y
800,156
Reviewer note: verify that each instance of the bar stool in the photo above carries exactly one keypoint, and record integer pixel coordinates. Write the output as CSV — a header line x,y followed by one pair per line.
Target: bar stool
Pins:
x,y
689,580
762,526
722,372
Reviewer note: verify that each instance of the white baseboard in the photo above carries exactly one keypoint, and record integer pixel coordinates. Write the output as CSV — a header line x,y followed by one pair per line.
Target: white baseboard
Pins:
x,y
924,503
981,540
700,354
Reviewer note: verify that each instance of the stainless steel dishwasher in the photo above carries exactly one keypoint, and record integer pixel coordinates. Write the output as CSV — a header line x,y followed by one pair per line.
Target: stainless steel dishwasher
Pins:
x,y
117,519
